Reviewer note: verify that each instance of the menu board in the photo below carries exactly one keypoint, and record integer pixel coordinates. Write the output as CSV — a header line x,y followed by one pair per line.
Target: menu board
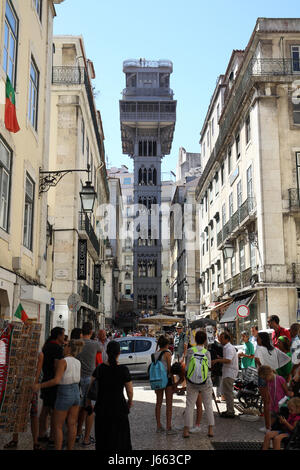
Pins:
x,y
19,348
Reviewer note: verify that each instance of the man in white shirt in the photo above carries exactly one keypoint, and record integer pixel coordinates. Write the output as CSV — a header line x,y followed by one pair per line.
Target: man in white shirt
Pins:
x,y
230,371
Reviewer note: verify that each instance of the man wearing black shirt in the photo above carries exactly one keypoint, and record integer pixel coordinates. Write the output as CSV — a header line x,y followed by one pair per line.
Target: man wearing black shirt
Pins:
x,y
53,352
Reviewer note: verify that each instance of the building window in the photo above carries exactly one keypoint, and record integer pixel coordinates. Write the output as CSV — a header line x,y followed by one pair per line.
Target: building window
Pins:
x,y
229,160
128,261
223,215
249,183
252,255
127,181
203,146
5,176
29,212
233,265
128,289
248,129
238,146
208,139
147,148
296,109
212,126
242,255
218,112
33,94
231,205
217,183
239,194
206,201
11,27
296,58
38,7
222,174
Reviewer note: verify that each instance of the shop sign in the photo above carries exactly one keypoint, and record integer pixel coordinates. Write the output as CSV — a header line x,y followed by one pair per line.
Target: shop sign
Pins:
x,y
82,259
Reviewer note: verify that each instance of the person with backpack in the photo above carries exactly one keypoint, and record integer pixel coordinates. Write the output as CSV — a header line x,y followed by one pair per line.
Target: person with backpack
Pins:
x,y
198,376
161,382
230,372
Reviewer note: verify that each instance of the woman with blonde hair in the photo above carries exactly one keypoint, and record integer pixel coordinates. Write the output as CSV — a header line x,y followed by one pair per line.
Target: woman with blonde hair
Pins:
x,y
67,377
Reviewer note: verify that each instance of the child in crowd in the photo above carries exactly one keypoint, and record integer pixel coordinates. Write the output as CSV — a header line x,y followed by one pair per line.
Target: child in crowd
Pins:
x,y
277,388
288,426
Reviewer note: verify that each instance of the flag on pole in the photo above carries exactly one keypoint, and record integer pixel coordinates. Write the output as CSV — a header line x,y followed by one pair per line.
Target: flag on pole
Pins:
x,y
10,118
21,314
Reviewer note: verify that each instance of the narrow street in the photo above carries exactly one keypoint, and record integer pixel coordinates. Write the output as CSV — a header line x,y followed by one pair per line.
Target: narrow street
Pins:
x,y
143,426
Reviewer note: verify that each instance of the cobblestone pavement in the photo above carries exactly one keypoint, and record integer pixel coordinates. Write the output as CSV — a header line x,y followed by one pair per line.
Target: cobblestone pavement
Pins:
x,y
143,426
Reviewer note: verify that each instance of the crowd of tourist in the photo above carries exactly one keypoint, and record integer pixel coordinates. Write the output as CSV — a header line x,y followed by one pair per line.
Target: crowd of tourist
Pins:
x,y
81,384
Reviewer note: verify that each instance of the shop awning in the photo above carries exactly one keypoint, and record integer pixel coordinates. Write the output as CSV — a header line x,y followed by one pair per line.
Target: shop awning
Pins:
x,y
231,313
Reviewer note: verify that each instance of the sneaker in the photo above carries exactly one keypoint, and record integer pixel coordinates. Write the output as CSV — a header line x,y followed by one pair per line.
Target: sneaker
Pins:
x,y
225,414
195,429
178,428
87,444
264,429
171,432
159,430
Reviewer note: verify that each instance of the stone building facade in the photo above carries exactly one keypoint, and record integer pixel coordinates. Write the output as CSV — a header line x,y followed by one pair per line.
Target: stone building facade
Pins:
x,y
249,192
77,142
26,48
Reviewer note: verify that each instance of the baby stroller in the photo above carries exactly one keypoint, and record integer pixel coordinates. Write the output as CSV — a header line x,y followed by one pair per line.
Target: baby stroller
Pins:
x,y
246,390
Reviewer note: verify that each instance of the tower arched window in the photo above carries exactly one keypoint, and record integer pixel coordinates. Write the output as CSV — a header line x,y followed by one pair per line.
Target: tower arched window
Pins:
x,y
154,177
150,176
140,176
145,176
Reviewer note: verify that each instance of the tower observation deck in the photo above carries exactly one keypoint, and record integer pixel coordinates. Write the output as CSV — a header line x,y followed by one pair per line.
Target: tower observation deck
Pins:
x,y
147,116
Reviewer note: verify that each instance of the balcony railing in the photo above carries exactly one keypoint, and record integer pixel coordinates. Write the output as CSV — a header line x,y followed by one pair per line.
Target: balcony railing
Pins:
x,y
294,200
145,116
85,224
136,91
268,68
237,218
68,75
88,296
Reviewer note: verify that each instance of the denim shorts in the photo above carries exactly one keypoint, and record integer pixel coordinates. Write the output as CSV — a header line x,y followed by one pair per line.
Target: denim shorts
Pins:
x,y
84,386
67,396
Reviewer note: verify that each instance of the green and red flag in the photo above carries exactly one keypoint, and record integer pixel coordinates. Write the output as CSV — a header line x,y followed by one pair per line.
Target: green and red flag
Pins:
x,y
21,314
10,119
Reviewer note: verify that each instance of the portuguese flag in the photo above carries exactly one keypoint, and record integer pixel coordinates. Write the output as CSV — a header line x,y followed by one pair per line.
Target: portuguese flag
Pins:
x,y
21,314
10,119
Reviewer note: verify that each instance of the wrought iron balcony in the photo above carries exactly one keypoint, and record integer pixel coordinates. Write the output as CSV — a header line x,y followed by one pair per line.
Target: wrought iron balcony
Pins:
x,y
68,75
86,226
294,200
236,220
256,70
136,91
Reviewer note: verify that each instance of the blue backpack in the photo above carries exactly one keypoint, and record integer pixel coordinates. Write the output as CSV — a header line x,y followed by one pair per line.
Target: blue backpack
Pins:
x,y
157,373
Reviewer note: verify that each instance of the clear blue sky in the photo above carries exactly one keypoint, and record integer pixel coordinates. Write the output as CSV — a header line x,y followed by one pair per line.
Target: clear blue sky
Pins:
x,y
197,35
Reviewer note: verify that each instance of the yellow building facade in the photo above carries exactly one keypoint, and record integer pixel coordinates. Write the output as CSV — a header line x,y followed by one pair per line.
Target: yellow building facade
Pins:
x,y
26,49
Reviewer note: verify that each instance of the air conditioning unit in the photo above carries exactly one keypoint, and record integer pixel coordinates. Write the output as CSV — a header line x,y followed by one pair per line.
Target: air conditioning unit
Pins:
x,y
214,297
220,291
181,305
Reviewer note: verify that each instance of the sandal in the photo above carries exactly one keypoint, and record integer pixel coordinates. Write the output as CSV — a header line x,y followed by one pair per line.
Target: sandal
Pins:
x,y
210,435
43,439
37,447
11,445
185,436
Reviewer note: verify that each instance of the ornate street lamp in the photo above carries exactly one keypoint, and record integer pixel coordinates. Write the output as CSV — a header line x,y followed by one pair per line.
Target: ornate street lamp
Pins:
x,y
228,251
88,196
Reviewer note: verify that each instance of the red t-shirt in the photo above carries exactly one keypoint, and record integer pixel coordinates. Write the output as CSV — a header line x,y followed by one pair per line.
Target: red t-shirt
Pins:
x,y
280,332
292,419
